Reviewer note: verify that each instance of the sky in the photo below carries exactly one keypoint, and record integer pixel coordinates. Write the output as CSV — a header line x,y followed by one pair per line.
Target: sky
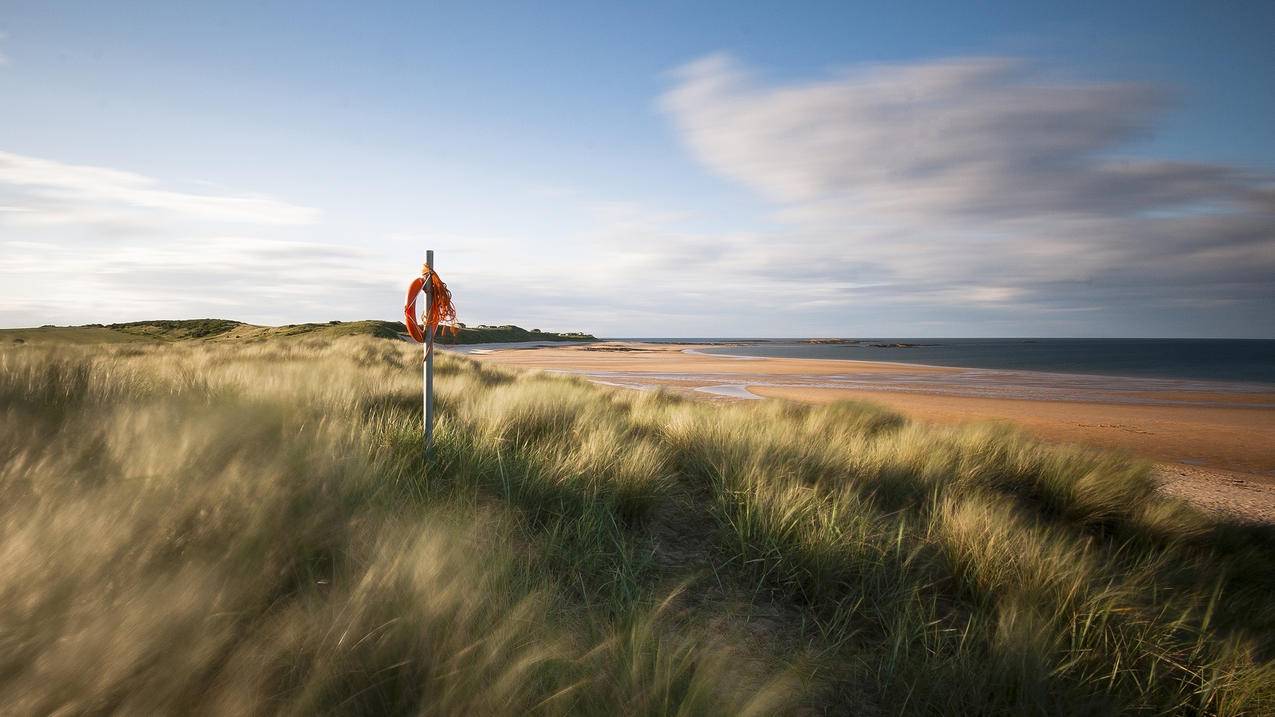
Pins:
x,y
645,169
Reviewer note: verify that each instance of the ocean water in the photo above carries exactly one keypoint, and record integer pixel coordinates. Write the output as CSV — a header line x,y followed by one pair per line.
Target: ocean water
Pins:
x,y
1230,360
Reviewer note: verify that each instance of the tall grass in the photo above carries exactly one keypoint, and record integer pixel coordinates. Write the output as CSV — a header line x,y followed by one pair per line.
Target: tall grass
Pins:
x,y
251,528
972,571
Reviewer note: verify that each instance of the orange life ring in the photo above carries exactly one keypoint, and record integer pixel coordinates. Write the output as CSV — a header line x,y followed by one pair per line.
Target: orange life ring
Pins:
x,y
414,327
440,312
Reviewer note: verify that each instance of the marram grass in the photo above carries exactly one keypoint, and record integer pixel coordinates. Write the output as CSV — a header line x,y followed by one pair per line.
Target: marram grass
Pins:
x,y
242,529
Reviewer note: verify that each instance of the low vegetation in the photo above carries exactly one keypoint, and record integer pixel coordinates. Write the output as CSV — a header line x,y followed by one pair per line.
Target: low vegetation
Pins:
x,y
239,332
507,334
240,528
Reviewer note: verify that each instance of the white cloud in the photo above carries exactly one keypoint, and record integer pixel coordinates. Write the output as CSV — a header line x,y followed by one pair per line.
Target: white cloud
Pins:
x,y
55,192
234,277
90,244
978,182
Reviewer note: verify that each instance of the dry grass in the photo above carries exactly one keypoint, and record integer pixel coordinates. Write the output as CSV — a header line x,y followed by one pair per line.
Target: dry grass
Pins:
x,y
244,529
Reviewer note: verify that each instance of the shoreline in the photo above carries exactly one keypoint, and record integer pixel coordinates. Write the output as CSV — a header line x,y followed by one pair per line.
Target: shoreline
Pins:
x,y
1250,386
1189,425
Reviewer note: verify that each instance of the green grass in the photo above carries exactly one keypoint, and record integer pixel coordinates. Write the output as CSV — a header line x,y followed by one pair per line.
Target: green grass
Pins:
x,y
248,526
237,331
507,334
68,335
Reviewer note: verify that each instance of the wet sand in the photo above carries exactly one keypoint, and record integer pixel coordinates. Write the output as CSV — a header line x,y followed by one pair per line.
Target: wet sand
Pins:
x,y
666,359
1195,427
1233,438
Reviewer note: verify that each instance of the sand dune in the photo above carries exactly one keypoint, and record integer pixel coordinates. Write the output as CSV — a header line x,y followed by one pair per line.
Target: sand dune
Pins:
x,y
1191,424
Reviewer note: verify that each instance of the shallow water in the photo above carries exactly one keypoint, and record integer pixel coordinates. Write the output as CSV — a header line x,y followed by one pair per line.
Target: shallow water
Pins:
x,y
1232,360
731,390
978,383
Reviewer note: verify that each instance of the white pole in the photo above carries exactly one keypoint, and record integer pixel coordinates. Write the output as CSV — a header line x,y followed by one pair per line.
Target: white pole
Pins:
x,y
429,357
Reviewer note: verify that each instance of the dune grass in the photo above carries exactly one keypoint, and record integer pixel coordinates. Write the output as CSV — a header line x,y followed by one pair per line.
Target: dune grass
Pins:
x,y
162,330
240,529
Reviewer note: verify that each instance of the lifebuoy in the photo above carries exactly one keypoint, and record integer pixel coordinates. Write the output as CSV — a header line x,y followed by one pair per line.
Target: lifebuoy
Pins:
x,y
440,312
414,328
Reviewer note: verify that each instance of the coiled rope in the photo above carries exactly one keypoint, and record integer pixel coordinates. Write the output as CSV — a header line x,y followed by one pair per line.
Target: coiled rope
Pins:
x,y
439,313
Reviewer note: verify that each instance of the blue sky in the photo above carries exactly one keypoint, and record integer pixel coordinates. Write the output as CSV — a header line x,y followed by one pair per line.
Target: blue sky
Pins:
x,y
650,169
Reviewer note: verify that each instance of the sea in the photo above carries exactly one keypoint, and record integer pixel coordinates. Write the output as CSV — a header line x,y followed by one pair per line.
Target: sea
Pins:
x,y
1229,360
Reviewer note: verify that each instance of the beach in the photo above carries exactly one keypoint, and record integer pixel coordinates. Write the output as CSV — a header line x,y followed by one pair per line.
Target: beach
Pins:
x,y
1209,438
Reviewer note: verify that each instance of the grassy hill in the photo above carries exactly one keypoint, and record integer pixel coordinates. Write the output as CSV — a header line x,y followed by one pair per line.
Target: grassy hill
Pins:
x,y
508,334
227,330
250,527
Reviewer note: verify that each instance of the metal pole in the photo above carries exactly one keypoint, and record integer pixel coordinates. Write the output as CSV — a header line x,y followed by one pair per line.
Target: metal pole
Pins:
x,y
429,357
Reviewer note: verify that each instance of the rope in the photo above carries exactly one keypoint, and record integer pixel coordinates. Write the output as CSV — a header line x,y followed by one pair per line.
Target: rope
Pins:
x,y
440,313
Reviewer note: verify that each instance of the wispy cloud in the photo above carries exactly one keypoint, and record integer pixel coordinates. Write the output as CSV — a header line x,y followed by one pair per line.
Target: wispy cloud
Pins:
x,y
136,249
55,192
237,277
980,181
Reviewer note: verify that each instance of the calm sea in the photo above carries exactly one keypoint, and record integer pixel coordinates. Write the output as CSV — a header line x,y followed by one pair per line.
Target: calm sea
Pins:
x,y
1202,359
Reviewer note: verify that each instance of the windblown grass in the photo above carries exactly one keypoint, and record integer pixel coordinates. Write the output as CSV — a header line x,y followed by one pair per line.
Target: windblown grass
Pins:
x,y
244,529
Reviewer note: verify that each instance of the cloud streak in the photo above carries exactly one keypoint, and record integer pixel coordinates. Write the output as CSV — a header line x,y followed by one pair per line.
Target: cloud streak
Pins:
x,y
236,277
87,244
980,181
55,192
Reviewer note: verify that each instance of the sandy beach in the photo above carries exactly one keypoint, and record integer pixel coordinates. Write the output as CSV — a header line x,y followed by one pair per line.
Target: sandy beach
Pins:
x,y
1212,439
